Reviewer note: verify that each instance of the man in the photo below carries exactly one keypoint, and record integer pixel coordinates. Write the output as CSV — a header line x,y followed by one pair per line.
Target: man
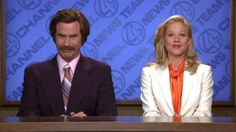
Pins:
x,y
70,84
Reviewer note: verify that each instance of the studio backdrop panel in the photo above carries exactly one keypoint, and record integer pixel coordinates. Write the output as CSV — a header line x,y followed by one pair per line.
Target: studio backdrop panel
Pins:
x,y
122,34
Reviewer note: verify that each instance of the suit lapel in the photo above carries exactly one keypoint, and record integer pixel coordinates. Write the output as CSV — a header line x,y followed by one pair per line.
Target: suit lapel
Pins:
x,y
52,86
164,81
187,87
79,84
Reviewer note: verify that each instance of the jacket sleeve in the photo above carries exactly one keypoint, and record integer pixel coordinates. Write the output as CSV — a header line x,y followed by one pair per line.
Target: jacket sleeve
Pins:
x,y
106,100
29,102
148,102
205,103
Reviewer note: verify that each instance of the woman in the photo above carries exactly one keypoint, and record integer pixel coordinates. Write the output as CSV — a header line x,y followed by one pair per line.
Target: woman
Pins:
x,y
177,84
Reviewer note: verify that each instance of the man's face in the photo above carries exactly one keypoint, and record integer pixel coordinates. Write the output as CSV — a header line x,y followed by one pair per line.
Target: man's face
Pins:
x,y
68,40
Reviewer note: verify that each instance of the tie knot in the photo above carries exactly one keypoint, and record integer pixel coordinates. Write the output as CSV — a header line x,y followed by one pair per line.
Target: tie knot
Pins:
x,y
67,67
175,74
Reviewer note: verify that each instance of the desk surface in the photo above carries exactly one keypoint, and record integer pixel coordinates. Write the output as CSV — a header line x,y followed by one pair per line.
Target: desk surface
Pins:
x,y
118,123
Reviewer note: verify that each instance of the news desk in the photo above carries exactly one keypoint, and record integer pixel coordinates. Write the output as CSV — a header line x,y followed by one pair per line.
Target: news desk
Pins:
x,y
118,123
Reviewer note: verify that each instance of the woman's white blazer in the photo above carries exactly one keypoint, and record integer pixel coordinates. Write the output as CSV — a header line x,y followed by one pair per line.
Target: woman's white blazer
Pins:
x,y
196,94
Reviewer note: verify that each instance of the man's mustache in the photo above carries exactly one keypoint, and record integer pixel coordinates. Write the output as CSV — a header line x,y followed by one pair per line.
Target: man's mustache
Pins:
x,y
66,48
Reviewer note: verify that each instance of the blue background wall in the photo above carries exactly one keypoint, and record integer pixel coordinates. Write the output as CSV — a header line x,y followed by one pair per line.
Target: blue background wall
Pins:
x,y
122,33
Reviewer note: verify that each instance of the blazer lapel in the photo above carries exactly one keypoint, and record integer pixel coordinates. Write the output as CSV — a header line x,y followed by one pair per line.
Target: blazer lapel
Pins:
x,y
52,87
79,85
187,87
164,81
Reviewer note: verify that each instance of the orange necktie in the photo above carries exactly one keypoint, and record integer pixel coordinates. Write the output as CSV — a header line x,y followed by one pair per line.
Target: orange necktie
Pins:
x,y
176,83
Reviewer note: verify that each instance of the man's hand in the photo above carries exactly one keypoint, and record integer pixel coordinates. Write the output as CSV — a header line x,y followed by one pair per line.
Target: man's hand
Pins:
x,y
79,114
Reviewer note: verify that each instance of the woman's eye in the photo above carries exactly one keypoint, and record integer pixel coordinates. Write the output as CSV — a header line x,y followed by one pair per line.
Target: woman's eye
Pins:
x,y
170,35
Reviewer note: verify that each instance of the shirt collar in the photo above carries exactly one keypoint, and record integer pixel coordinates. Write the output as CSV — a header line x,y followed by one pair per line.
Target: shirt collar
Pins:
x,y
61,63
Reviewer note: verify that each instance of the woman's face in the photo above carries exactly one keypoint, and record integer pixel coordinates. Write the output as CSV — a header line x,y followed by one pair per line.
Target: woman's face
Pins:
x,y
176,39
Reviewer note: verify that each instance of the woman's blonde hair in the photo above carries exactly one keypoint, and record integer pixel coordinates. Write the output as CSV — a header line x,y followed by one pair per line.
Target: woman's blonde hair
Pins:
x,y
160,51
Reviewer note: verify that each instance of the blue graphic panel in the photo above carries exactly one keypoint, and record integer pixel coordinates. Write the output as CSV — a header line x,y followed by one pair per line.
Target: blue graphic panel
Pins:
x,y
122,33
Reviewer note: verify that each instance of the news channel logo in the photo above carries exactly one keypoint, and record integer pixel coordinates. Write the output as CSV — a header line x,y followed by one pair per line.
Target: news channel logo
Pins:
x,y
118,80
184,9
133,33
106,8
210,41
13,45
